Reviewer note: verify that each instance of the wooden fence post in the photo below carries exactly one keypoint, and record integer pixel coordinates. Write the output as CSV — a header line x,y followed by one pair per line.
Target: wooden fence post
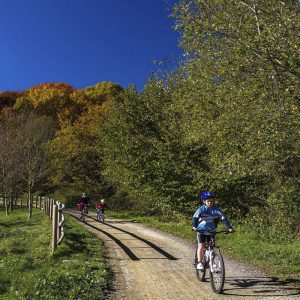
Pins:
x,y
59,219
51,209
47,206
54,231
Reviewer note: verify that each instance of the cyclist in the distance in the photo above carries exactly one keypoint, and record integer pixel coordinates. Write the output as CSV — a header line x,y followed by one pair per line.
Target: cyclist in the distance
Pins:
x,y
204,219
101,207
84,201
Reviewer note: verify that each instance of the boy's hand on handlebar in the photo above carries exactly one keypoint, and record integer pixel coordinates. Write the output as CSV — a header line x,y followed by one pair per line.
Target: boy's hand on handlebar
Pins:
x,y
195,229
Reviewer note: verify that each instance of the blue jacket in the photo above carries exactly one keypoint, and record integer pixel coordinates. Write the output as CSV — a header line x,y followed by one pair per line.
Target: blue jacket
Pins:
x,y
204,218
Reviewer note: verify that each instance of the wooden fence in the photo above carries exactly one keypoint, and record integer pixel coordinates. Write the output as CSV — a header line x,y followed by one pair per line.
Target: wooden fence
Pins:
x,y
53,209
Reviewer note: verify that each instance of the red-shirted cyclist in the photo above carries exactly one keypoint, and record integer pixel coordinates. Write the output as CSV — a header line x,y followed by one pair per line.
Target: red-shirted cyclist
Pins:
x,y
101,207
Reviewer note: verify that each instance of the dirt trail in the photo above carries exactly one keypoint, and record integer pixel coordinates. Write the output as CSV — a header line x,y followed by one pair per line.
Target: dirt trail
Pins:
x,y
149,264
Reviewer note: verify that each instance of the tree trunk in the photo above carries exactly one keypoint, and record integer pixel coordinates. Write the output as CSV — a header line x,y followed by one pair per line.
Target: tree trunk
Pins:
x,y
6,204
29,203
11,201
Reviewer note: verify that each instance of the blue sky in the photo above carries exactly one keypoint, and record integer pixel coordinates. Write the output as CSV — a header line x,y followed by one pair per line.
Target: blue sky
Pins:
x,y
82,42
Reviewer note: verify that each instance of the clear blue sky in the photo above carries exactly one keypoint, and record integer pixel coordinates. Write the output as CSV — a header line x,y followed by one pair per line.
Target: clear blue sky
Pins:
x,y
82,42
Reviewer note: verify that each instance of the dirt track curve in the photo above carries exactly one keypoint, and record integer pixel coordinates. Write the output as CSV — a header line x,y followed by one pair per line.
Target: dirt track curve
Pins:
x,y
149,264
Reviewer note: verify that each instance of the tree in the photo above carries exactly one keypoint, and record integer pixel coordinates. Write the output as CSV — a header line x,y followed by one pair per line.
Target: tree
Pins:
x,y
46,99
76,158
35,132
10,155
243,98
8,98
144,153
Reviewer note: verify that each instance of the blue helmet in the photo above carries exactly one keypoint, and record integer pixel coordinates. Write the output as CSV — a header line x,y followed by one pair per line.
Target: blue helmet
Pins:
x,y
207,195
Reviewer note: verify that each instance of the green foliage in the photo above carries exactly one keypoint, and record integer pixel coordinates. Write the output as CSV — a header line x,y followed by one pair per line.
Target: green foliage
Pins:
x,y
144,151
241,71
102,92
227,119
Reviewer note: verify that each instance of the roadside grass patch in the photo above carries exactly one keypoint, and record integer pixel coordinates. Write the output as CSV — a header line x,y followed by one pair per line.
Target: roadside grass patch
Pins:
x,y
28,270
280,259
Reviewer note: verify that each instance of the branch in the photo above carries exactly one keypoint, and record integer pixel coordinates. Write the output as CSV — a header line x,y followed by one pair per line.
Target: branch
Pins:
x,y
256,17
255,11
245,4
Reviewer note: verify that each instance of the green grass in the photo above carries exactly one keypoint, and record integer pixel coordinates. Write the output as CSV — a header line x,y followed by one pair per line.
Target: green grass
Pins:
x,y
276,259
28,270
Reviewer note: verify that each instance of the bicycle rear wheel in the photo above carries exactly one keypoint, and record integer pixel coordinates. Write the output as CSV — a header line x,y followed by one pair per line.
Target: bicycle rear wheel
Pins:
x,y
217,272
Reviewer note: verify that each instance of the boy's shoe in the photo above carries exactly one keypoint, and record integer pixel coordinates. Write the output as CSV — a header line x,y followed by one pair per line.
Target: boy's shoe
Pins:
x,y
200,266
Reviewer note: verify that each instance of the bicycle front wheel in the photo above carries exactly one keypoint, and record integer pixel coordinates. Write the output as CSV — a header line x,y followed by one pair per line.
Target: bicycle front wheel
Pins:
x,y
199,273
217,272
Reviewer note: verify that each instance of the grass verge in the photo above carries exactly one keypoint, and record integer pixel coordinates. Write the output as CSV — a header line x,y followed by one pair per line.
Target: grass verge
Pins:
x,y
276,259
28,270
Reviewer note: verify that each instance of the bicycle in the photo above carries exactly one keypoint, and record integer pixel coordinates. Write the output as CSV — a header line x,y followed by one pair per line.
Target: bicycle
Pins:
x,y
100,215
214,262
83,211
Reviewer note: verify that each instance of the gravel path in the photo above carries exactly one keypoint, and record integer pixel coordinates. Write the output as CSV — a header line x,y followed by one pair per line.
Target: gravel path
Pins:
x,y
149,264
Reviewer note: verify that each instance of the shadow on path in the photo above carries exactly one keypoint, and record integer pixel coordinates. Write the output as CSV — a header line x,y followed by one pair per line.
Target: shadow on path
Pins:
x,y
155,247
261,286
118,242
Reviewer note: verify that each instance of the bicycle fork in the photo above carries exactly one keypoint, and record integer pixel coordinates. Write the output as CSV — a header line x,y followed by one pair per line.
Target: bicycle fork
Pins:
x,y
211,262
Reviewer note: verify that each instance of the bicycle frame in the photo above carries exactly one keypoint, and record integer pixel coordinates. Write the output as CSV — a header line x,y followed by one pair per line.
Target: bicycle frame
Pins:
x,y
213,261
83,211
100,214
211,254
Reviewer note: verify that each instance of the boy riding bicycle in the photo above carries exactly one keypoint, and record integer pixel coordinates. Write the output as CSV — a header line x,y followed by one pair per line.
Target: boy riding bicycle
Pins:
x,y
204,223
101,207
